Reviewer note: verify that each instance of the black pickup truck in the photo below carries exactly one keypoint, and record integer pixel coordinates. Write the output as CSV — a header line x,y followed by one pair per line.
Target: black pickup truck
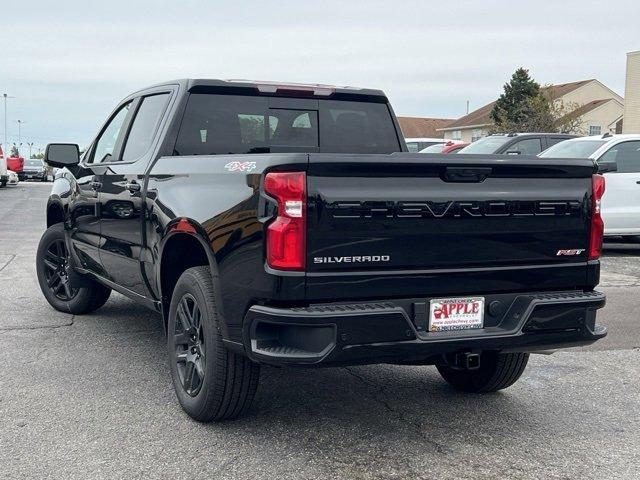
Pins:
x,y
286,224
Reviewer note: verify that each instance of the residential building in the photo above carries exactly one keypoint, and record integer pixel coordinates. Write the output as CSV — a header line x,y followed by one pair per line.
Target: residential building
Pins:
x,y
600,110
632,94
418,127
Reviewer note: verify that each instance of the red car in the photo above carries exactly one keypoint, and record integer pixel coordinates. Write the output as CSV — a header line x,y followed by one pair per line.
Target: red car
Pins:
x,y
451,147
16,164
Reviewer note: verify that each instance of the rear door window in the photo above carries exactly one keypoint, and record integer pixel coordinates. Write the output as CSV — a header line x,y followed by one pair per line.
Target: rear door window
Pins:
x,y
626,155
528,146
144,126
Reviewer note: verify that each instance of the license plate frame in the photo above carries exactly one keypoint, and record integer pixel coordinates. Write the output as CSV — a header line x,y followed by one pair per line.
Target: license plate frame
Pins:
x,y
460,314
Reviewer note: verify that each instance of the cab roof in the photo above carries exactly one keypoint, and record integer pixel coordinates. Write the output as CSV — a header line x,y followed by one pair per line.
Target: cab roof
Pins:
x,y
259,87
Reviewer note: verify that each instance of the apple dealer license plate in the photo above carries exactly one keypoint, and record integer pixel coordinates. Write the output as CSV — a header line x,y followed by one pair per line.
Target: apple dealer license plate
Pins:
x,y
448,314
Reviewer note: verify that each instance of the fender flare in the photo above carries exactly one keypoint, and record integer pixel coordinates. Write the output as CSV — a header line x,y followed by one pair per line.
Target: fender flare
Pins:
x,y
188,226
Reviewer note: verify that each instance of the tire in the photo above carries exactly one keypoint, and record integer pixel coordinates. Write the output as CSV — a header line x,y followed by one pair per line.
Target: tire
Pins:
x,y
3,184
211,382
497,371
54,279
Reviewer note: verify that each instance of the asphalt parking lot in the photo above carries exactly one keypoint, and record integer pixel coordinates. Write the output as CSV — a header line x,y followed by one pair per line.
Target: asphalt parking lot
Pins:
x,y
90,397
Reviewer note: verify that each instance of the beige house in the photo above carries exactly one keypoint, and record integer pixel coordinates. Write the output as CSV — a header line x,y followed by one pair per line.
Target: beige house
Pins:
x,y
632,94
419,127
599,108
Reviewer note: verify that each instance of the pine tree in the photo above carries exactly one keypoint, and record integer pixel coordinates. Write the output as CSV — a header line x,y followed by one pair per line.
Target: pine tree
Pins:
x,y
522,107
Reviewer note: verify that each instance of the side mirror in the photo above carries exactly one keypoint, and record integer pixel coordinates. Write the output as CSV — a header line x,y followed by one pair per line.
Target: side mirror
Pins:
x,y
606,167
514,152
62,154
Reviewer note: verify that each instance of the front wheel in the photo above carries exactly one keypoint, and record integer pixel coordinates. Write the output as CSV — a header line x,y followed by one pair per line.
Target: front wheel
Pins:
x,y
53,268
211,382
497,371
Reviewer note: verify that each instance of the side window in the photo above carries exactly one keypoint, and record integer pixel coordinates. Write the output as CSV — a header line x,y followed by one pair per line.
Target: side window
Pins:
x,y
529,146
553,140
106,143
626,155
144,126
412,146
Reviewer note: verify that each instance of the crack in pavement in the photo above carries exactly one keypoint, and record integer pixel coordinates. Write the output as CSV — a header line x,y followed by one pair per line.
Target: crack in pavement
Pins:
x,y
12,256
38,327
415,425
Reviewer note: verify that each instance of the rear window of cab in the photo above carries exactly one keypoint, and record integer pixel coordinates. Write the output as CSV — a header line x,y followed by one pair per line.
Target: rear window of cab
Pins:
x,y
236,124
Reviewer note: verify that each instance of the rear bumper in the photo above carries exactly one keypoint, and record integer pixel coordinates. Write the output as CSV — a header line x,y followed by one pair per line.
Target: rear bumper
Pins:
x,y
397,331
27,175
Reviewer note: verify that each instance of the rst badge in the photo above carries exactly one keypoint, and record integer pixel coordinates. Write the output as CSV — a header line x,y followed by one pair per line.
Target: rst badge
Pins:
x,y
570,252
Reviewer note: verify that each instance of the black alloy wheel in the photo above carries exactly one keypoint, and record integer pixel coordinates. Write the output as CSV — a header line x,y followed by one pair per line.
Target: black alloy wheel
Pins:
x,y
56,263
189,344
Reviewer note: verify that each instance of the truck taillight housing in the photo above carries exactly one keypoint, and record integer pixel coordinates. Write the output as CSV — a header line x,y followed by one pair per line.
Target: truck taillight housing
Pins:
x,y
597,224
286,235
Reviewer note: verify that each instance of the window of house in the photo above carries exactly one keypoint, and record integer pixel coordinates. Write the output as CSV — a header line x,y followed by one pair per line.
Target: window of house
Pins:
x,y
595,130
477,134
456,135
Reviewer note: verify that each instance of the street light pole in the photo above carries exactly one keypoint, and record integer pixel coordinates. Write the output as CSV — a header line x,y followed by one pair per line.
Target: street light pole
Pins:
x,y
30,147
5,97
20,123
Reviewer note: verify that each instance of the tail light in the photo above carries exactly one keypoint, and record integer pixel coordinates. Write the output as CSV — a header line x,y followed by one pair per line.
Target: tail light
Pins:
x,y
597,224
286,235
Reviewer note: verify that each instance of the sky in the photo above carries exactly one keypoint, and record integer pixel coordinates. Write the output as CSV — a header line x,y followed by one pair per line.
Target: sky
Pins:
x,y
68,63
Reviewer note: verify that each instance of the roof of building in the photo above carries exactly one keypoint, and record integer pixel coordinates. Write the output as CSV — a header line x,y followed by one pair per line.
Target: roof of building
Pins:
x,y
587,107
413,127
482,116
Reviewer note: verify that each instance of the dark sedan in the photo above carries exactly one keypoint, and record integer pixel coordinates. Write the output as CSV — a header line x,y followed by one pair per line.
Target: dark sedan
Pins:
x,y
34,169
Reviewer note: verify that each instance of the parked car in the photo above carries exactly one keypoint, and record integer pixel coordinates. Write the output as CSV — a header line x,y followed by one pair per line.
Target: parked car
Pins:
x,y
515,143
12,178
285,224
16,164
445,147
4,176
34,169
455,148
417,144
618,157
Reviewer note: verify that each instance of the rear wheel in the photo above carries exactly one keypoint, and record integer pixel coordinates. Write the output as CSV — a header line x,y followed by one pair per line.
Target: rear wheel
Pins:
x,y
497,371
53,268
211,383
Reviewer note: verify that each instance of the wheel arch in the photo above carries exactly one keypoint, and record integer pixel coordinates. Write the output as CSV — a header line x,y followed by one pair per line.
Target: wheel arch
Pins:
x,y
189,238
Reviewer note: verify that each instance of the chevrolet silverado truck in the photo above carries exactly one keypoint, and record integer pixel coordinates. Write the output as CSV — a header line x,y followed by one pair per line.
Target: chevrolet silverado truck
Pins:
x,y
287,225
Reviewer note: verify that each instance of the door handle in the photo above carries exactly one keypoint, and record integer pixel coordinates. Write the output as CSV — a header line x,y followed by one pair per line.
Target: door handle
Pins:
x,y
133,187
638,182
95,184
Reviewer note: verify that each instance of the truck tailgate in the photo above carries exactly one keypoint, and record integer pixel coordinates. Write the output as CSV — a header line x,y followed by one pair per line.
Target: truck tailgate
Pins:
x,y
447,214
